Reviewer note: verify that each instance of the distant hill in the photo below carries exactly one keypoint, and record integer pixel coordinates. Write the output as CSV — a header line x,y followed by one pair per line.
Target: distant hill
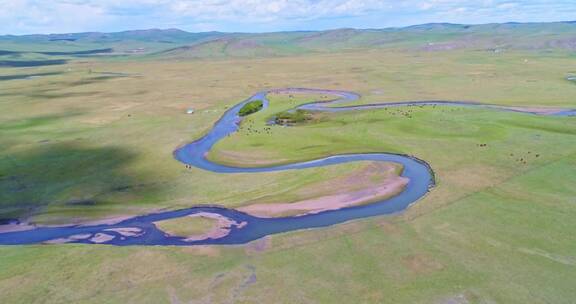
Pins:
x,y
150,35
120,43
175,43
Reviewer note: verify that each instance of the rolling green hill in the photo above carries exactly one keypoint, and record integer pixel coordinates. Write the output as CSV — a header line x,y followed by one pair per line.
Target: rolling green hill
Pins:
x,y
174,43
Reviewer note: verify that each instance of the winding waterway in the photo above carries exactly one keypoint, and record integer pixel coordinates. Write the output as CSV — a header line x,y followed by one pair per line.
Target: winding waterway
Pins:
x,y
140,230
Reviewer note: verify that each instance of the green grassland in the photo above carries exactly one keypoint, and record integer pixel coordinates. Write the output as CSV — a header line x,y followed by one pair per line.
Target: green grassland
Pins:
x,y
186,226
496,229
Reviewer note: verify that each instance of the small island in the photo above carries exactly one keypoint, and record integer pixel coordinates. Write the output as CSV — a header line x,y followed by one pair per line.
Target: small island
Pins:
x,y
199,226
251,107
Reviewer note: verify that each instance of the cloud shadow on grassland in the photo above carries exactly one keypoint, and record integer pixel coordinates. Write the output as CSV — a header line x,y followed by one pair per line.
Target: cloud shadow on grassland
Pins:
x,y
68,174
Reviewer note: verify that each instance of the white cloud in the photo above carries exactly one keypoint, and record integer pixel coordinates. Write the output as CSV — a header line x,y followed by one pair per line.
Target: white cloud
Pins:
x,y
273,9
30,16
26,16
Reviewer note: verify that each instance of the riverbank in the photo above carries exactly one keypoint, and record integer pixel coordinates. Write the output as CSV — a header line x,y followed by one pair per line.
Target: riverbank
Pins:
x,y
363,184
326,203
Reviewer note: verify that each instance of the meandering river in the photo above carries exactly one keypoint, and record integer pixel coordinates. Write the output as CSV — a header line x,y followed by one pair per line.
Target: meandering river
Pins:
x,y
140,230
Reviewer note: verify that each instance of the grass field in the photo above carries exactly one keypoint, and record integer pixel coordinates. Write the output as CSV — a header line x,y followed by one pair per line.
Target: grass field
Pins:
x,y
498,228
186,226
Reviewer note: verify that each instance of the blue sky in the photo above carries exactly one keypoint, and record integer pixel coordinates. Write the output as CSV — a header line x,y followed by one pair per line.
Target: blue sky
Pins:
x,y
64,16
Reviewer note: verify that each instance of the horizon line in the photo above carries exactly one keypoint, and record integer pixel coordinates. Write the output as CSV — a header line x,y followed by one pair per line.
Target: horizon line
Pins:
x,y
293,31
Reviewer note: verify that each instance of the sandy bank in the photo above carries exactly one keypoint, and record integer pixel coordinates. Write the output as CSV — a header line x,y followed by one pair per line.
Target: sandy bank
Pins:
x,y
16,227
390,187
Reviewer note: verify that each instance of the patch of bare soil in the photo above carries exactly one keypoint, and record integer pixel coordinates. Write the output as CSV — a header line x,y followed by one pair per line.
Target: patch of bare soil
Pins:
x,y
373,182
421,264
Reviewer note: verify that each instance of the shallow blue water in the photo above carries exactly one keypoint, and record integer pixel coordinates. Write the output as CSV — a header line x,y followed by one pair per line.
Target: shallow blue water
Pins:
x,y
419,173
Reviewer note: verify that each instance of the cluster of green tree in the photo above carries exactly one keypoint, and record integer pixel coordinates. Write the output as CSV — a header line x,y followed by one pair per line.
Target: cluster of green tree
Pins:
x,y
251,107
293,117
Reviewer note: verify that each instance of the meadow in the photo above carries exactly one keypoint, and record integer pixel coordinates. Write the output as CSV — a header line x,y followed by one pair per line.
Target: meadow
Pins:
x,y
186,226
80,145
